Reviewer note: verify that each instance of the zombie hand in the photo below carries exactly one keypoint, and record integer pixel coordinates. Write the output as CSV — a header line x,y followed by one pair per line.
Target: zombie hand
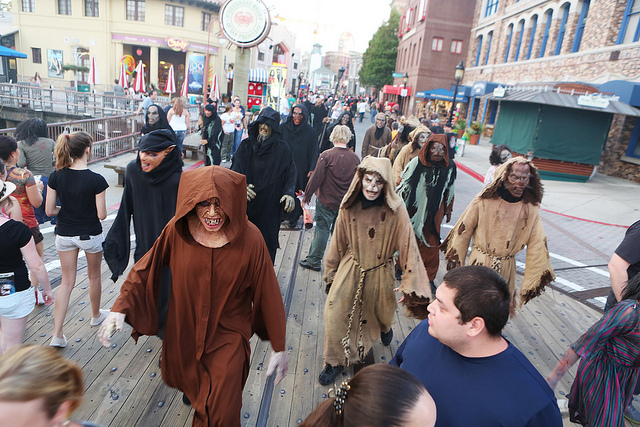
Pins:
x,y
288,201
250,193
326,120
113,323
278,363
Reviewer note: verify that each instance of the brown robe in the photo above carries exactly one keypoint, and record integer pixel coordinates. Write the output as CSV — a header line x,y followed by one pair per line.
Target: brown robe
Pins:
x,y
500,230
360,256
219,298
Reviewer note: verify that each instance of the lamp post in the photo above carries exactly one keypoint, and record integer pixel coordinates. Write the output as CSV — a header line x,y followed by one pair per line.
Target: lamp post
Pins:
x,y
459,74
405,79
300,76
341,71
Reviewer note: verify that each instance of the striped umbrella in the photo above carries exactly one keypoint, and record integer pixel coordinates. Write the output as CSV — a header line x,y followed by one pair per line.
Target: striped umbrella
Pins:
x,y
122,79
139,84
185,86
215,88
94,77
171,82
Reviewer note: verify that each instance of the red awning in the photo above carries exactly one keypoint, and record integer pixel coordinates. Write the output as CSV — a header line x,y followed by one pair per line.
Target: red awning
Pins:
x,y
395,90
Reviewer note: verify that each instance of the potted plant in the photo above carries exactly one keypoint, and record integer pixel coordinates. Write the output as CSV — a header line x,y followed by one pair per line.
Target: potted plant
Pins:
x,y
474,131
459,127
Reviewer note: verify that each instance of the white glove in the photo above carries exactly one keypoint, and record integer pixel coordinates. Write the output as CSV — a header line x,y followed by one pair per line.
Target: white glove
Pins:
x,y
289,203
250,193
279,361
113,323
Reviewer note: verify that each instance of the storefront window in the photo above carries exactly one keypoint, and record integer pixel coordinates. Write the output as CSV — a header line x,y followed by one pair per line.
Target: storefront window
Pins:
x,y
64,7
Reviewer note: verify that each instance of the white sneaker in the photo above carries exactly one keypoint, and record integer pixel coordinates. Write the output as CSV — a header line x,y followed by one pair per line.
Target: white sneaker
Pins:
x,y
58,342
39,297
95,321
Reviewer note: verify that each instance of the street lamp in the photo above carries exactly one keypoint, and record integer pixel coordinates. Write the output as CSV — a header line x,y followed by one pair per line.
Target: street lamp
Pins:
x,y
341,71
405,79
300,76
459,74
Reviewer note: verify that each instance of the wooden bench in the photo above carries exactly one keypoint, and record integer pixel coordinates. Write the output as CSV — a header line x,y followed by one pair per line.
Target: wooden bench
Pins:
x,y
192,145
119,165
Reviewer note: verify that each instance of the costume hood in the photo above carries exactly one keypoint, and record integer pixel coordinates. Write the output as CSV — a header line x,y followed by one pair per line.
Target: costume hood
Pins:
x,y
268,116
424,155
162,123
305,119
214,181
349,123
369,164
533,192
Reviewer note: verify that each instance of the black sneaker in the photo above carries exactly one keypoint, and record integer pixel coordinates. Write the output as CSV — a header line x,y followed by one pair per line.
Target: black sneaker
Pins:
x,y
329,374
305,264
386,337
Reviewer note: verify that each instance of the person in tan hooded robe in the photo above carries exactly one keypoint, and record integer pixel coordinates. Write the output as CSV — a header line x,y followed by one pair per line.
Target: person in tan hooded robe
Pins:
x,y
502,220
359,269
417,137
223,290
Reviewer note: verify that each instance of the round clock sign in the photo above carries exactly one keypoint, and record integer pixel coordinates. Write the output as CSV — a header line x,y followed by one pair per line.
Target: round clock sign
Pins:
x,y
245,23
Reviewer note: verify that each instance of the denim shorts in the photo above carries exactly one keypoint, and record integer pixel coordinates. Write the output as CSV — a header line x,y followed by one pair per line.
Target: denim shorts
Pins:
x,y
18,305
68,243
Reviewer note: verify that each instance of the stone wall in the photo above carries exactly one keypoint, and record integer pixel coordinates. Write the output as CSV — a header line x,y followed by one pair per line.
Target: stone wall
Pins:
x,y
616,147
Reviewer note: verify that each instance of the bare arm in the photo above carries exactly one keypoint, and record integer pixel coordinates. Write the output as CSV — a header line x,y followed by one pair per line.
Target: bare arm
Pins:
x,y
50,207
170,115
567,360
34,194
618,274
101,205
14,210
187,120
36,265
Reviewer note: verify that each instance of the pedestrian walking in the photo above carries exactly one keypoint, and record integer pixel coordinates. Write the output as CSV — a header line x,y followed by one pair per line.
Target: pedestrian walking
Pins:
x,y
372,225
376,138
417,139
228,133
211,135
238,116
345,119
329,182
146,103
179,120
362,108
499,155
82,206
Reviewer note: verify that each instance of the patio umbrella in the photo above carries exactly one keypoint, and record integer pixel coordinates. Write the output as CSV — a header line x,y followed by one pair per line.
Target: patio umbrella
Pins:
x,y
94,77
185,86
215,88
171,82
139,84
122,80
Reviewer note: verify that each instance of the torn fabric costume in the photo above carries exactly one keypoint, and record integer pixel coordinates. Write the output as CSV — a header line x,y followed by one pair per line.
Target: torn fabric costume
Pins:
x,y
303,143
212,132
375,139
270,168
359,269
219,298
427,189
500,229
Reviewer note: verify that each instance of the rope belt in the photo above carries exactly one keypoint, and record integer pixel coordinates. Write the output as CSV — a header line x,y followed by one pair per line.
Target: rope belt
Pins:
x,y
496,261
357,301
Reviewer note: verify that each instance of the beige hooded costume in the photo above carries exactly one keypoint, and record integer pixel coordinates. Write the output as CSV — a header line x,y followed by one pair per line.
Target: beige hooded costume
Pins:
x,y
500,230
359,269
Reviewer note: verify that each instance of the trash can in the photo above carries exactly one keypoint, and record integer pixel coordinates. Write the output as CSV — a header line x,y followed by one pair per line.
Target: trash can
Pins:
x,y
83,88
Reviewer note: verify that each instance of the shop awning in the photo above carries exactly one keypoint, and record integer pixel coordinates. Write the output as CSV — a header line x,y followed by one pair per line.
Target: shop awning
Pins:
x,y
257,75
628,92
442,94
396,90
5,51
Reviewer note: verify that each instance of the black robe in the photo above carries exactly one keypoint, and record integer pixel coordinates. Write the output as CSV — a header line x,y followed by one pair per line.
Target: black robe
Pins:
x,y
316,114
162,122
272,171
150,197
325,144
212,132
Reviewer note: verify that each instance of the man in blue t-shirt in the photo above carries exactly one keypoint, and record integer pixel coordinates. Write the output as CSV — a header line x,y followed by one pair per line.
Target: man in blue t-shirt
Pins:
x,y
475,376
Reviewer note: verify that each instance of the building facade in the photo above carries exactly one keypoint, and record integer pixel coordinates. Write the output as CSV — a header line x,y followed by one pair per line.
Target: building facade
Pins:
x,y
531,42
433,38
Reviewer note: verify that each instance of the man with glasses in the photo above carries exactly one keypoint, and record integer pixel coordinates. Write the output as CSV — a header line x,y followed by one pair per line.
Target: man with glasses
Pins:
x,y
376,137
502,220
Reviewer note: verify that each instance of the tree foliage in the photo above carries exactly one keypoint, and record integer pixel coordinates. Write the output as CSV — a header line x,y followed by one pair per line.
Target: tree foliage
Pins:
x,y
379,60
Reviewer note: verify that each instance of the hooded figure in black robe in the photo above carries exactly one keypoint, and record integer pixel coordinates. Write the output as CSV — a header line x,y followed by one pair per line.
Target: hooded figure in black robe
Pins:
x,y
150,198
316,115
212,133
303,142
271,173
162,122
325,144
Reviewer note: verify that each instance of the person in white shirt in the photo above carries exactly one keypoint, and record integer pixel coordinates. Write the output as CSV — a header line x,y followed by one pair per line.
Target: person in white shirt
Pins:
x,y
228,119
178,118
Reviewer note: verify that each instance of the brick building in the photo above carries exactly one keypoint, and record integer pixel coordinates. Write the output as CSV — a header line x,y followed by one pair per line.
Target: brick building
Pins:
x,y
434,38
529,42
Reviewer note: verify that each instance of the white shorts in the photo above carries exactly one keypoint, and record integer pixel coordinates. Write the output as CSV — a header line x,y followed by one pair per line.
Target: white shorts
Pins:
x,y
18,305
91,246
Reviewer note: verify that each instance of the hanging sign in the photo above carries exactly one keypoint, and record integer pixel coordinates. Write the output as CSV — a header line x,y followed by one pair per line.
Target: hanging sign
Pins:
x,y
245,23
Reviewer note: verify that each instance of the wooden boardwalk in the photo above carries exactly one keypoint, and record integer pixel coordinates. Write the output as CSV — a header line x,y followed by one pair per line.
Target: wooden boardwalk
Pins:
x,y
124,385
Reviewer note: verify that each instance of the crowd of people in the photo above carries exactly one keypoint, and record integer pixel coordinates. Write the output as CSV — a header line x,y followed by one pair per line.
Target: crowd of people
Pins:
x,y
206,243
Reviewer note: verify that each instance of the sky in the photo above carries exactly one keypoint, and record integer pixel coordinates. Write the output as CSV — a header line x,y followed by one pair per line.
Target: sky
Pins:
x,y
361,18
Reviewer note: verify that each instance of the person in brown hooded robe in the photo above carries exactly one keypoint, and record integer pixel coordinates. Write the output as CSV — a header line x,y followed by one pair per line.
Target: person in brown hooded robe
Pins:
x,y
502,220
224,289
427,189
372,225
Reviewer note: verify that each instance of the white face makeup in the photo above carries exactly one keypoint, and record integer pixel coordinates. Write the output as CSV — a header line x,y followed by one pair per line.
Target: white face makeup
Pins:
x,y
372,185
153,115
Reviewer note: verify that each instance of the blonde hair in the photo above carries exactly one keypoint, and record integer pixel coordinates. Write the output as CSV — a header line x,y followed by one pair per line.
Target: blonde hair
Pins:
x,y
341,133
70,147
32,372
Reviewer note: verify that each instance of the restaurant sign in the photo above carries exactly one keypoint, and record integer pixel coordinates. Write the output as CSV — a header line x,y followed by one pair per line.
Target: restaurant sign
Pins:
x,y
245,23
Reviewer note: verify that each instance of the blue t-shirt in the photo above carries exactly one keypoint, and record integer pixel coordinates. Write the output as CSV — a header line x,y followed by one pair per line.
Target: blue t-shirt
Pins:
x,y
500,390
